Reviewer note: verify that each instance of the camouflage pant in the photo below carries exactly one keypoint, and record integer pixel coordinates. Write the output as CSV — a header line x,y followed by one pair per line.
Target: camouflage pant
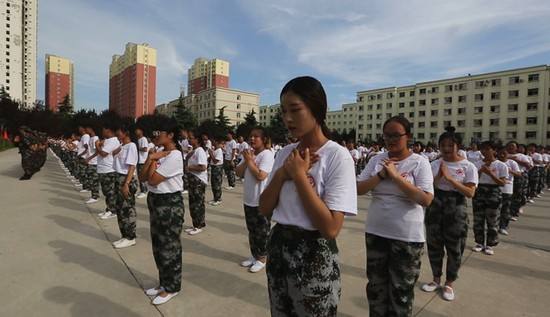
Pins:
x,y
258,231
446,230
81,171
196,201
126,208
533,181
303,273
505,211
486,208
31,161
540,184
108,183
229,172
166,217
518,197
393,268
92,180
142,185
216,180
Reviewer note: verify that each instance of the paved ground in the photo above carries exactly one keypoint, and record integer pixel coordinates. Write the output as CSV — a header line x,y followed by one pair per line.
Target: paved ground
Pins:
x,y
56,260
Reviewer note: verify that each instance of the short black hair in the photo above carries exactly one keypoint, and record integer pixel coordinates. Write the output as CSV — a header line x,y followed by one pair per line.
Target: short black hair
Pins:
x,y
450,134
402,121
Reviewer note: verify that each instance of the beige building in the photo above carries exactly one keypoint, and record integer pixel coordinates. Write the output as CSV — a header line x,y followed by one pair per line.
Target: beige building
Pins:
x,y
18,26
207,104
506,105
343,120
205,74
267,112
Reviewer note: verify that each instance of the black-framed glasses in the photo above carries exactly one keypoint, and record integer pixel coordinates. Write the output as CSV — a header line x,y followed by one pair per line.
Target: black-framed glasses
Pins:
x,y
393,137
157,133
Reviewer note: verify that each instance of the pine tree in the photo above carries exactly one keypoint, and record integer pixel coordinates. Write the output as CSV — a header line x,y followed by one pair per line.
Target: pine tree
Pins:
x,y
185,118
249,123
65,106
277,128
223,121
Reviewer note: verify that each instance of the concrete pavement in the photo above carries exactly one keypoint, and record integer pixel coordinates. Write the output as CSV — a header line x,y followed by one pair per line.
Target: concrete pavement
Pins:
x,y
56,260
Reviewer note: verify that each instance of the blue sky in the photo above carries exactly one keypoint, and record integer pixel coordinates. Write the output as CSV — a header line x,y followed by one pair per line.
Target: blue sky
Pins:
x,y
349,45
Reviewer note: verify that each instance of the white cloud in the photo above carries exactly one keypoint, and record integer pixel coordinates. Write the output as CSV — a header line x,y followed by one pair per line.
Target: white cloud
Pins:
x,y
371,43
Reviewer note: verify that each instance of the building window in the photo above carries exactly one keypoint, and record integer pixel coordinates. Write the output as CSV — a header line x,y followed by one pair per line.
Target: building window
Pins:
x,y
389,95
462,86
461,123
494,121
378,106
433,136
447,112
511,135
435,101
389,105
513,93
495,82
532,106
238,97
513,107
421,136
478,122
435,90
422,102
478,97
448,88
422,113
422,91
402,94
421,124
533,77
448,100
411,114
411,94
512,121
495,109
433,124
514,80
533,92
530,134
433,113
531,120
461,98
411,104
461,111
401,105
495,95
478,110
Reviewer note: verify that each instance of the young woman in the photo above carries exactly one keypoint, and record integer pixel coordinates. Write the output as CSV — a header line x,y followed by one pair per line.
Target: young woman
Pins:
x,y
308,194
402,185
91,165
163,173
216,172
125,166
143,151
507,190
255,168
488,199
455,179
105,167
197,176
519,196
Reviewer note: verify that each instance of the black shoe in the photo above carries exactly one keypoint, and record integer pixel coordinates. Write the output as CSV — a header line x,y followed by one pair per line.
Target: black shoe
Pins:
x,y
25,177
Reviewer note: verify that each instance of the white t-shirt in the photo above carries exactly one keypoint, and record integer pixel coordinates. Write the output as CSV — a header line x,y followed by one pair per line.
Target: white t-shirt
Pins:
x,y
199,158
333,177
92,149
185,147
513,166
391,213
105,164
229,146
75,148
474,156
497,167
462,153
171,168
546,158
462,171
354,154
218,155
84,140
522,158
142,142
127,156
242,146
537,157
252,187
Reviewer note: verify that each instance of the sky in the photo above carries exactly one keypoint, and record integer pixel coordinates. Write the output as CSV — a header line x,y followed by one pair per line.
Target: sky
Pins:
x,y
348,45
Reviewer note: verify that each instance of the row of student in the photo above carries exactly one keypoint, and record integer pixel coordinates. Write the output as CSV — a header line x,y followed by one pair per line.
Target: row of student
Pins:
x,y
311,186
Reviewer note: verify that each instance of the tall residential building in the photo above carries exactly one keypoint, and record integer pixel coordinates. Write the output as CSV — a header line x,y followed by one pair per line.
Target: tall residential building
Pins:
x,y
206,74
132,81
59,81
18,26
505,105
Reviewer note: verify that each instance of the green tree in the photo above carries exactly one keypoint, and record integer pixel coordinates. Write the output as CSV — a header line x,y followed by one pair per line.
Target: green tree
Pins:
x,y
223,121
249,123
277,128
185,118
65,106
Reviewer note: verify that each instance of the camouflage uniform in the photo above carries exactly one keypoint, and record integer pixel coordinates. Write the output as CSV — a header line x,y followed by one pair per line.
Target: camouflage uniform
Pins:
x,y
303,273
486,208
108,183
505,211
32,157
258,231
540,179
533,181
518,197
142,185
92,180
446,230
216,180
196,201
393,267
126,208
166,217
229,172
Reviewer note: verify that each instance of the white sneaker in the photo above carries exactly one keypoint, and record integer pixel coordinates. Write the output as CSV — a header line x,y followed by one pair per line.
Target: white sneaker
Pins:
x,y
430,287
141,195
125,244
257,267
530,201
448,294
539,196
91,201
101,214
188,230
159,300
521,211
84,191
185,192
478,248
195,231
503,232
108,215
118,241
489,251
513,219
229,187
154,291
215,203
248,262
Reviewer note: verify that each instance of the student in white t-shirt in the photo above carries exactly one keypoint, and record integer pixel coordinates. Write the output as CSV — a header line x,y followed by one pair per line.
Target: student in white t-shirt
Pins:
x,y
230,155
309,191
520,183
92,178
105,168
163,173
455,179
488,199
402,186
242,145
473,155
354,154
125,163
185,149
255,168
197,177
216,171
143,151
507,190
82,154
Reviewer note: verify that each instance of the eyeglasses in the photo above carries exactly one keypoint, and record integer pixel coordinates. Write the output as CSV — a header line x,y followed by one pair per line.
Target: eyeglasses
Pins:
x,y
392,137
157,133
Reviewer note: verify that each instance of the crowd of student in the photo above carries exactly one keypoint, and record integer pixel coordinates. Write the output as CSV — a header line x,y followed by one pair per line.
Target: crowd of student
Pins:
x,y
306,189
